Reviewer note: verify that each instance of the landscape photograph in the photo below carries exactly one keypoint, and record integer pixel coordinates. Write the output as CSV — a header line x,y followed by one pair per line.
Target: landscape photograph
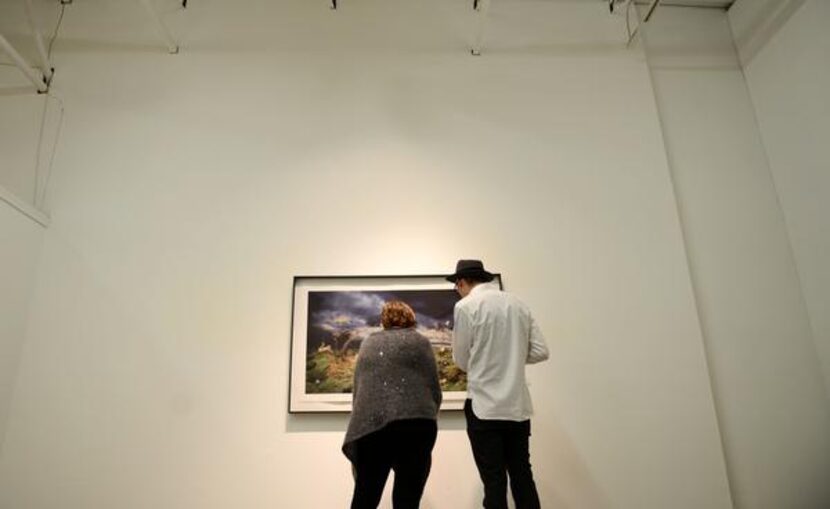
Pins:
x,y
338,321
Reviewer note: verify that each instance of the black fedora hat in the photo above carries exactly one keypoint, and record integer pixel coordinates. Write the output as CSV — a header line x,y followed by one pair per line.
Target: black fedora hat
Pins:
x,y
472,269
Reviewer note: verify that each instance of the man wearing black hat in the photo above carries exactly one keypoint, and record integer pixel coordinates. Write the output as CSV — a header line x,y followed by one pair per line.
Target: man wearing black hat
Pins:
x,y
494,336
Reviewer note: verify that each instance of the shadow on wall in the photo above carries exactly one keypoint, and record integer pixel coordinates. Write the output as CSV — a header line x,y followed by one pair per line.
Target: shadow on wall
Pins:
x,y
337,422
553,456
556,457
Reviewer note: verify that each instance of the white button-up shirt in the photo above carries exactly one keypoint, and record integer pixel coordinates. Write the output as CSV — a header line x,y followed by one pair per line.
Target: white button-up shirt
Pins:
x,y
494,336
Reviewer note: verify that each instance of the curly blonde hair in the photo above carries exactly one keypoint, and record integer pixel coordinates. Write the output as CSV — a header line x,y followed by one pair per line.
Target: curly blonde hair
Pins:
x,y
397,314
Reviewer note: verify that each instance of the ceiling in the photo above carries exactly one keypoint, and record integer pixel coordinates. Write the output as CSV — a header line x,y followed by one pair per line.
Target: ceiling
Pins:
x,y
13,23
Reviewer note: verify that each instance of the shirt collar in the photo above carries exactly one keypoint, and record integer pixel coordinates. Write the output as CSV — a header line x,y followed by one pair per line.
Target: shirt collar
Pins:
x,y
482,287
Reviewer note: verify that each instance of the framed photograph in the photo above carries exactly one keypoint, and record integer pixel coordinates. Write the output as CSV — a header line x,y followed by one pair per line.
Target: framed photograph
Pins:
x,y
332,315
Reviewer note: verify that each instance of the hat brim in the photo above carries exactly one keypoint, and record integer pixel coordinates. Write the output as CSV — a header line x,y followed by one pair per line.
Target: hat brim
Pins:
x,y
477,274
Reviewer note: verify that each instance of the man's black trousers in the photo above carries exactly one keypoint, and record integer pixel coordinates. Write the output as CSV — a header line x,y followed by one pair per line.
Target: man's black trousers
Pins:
x,y
501,449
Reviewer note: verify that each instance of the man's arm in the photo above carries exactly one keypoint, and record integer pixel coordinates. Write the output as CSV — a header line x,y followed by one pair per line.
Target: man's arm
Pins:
x,y
462,338
538,348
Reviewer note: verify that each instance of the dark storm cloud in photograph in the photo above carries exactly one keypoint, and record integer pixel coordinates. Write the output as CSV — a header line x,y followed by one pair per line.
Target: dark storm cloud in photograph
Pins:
x,y
340,311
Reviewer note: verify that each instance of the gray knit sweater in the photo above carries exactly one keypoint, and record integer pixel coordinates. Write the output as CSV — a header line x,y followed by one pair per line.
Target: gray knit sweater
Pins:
x,y
395,378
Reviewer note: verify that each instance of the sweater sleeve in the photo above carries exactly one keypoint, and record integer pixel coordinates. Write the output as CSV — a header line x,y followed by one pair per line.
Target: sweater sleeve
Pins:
x,y
432,370
358,368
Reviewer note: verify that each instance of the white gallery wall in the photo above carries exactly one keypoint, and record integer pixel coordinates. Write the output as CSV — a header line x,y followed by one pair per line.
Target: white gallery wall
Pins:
x,y
19,131
788,80
289,139
20,240
772,406
29,122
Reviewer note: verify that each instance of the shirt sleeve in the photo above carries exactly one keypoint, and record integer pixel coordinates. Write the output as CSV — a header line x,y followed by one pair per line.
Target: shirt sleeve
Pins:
x,y
462,338
538,349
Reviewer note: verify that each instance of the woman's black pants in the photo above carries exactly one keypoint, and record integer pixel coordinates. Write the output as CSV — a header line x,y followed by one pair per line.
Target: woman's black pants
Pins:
x,y
403,446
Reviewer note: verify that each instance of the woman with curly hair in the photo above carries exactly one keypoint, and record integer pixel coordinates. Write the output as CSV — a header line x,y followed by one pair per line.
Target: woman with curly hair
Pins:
x,y
393,426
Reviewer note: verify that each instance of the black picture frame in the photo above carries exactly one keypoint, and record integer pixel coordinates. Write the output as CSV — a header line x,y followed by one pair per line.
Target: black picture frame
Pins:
x,y
331,314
